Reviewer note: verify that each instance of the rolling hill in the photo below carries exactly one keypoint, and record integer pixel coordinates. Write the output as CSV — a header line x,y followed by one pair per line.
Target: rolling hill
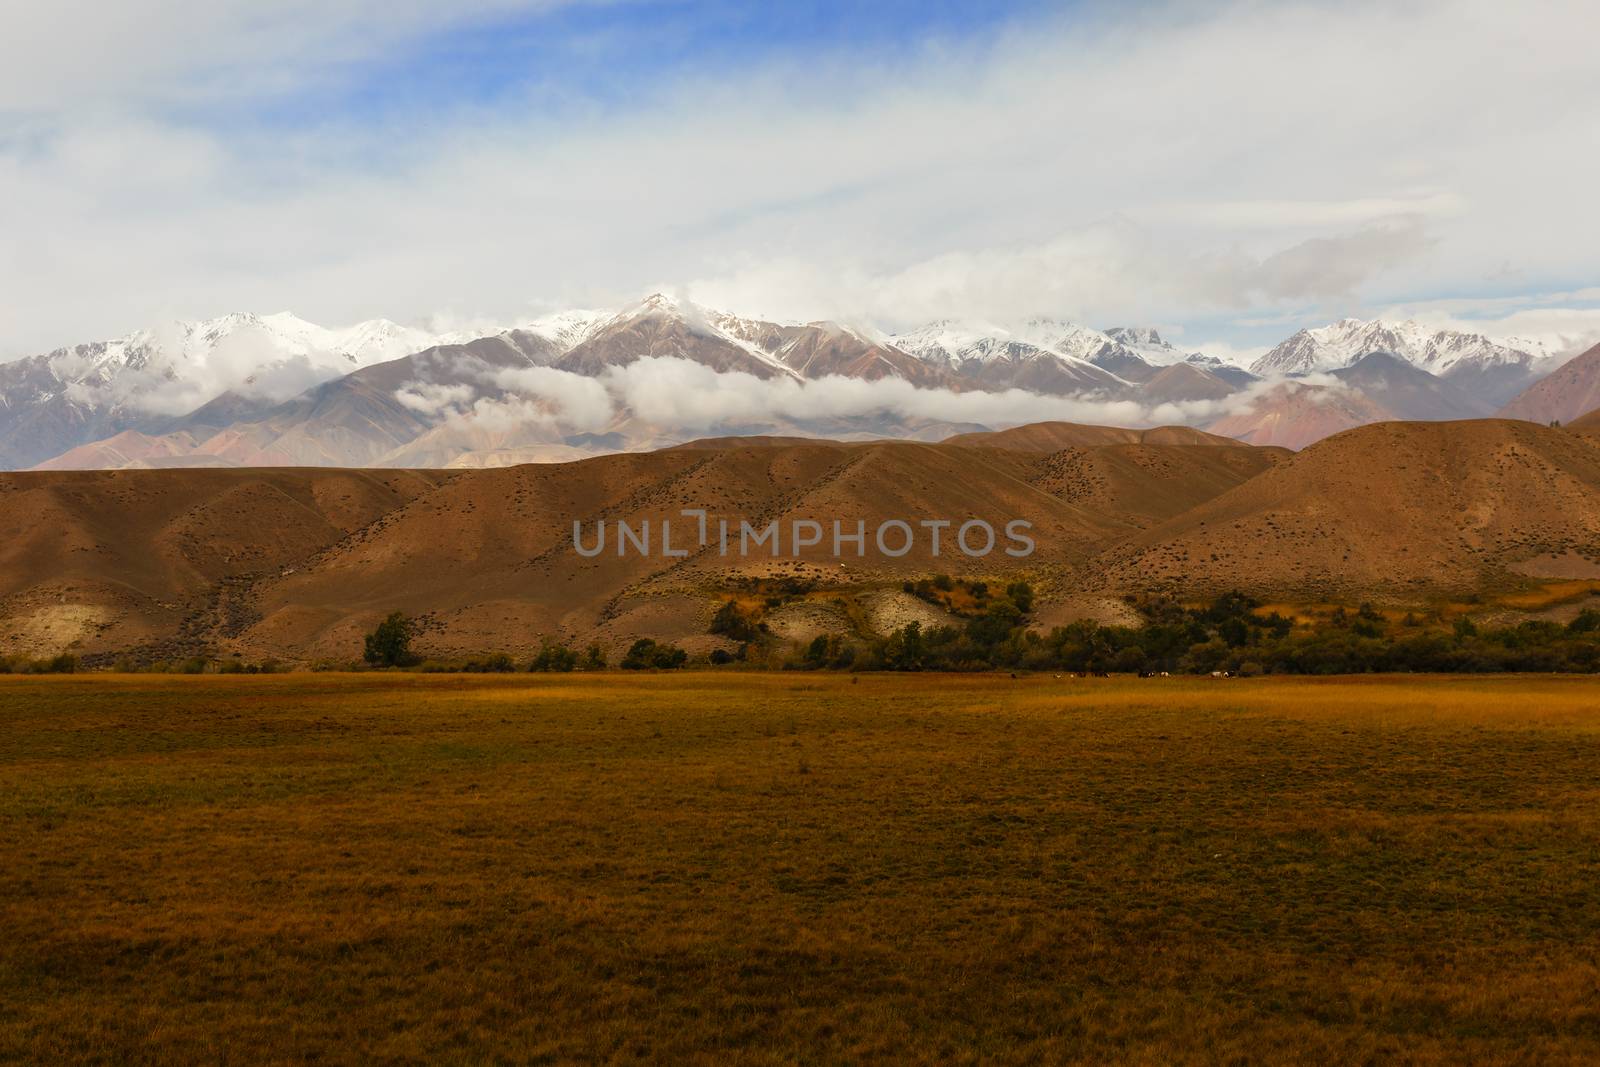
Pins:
x,y
1564,396
1052,436
1398,509
298,563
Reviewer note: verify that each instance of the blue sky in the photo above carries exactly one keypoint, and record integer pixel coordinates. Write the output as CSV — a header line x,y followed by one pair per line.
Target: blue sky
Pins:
x,y
1227,172
600,58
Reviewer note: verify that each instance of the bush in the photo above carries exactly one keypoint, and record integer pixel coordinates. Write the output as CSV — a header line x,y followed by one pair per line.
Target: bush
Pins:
x,y
1021,594
554,657
1587,622
646,654
390,644
734,624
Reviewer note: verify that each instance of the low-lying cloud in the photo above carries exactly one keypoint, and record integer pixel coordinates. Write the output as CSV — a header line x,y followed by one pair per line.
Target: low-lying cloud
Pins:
x,y
680,397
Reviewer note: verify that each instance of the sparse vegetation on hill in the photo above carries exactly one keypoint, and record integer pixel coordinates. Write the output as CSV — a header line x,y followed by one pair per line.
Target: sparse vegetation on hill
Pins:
x,y
1230,635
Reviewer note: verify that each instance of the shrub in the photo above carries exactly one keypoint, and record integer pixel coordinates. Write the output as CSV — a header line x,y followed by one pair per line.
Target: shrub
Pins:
x,y
646,654
390,644
497,663
1021,594
1587,622
732,623
554,657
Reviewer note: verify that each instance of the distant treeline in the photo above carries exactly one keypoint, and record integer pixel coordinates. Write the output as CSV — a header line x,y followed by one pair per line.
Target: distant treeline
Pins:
x,y
66,663
1230,635
991,632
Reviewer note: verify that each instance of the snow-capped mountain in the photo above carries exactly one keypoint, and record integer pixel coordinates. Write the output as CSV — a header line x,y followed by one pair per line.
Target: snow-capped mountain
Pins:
x,y
276,389
666,326
163,369
1438,352
1486,368
1150,345
568,329
74,394
1041,354
950,344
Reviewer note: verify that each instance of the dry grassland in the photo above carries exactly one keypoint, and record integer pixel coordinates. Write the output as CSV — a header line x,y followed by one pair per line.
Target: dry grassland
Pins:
x,y
717,868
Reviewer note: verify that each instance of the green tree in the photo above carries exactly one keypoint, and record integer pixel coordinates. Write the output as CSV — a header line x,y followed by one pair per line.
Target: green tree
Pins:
x,y
390,644
734,624
554,657
646,654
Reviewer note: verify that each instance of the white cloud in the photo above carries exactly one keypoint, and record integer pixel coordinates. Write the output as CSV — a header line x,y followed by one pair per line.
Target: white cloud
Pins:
x,y
87,53
678,396
1157,163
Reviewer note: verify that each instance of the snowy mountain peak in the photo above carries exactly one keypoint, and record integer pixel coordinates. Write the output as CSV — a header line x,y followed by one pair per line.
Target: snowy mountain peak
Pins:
x,y
1150,345
1341,344
657,304
176,366
568,329
1137,335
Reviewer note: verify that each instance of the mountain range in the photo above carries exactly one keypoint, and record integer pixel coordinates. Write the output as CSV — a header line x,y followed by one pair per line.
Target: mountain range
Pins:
x,y
274,390
298,563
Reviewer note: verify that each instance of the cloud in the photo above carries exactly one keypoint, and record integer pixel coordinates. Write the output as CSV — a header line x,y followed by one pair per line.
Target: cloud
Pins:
x,y
434,399
1116,272
84,53
680,397
1124,163
501,398
1320,269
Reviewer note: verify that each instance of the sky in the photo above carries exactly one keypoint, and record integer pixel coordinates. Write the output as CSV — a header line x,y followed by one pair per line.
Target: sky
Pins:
x,y
1228,172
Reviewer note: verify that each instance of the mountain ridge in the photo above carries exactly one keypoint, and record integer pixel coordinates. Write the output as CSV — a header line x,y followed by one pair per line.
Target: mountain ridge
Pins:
x,y
500,398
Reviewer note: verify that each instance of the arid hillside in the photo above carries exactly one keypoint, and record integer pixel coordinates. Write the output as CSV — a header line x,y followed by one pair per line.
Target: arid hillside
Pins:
x,y
1050,436
1393,508
118,560
1563,396
299,563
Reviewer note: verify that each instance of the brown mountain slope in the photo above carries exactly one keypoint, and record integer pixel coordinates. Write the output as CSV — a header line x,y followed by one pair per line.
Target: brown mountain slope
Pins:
x,y
1567,394
127,450
122,559
1396,507
1296,414
489,558
299,563
1149,483
1589,423
1053,436
1184,381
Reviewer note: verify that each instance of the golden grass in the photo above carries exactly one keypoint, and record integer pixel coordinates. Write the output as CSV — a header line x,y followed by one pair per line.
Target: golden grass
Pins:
x,y
765,868
1548,595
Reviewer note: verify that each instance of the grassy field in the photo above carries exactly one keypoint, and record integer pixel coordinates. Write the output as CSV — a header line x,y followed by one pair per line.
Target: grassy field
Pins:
x,y
765,868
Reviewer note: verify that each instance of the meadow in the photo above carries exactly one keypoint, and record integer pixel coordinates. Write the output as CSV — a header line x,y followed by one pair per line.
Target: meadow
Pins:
x,y
769,867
